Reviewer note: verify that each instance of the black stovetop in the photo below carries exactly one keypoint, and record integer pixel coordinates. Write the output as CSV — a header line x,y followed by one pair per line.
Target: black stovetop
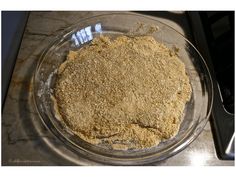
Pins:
x,y
213,34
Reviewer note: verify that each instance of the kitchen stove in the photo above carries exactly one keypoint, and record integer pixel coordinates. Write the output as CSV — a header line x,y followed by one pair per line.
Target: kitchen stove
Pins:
x,y
214,36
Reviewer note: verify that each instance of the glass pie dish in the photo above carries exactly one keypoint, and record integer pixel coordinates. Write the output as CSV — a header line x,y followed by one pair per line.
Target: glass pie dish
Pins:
x,y
196,112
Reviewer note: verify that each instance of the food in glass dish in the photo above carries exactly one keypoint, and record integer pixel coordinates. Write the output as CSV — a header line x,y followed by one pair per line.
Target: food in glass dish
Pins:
x,y
128,93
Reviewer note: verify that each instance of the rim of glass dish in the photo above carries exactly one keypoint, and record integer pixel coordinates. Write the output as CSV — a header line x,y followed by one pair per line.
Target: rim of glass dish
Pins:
x,y
192,133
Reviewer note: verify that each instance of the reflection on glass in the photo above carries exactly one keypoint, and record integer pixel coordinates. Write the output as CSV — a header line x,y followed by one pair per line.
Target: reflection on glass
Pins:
x,y
75,40
85,35
98,28
78,35
89,33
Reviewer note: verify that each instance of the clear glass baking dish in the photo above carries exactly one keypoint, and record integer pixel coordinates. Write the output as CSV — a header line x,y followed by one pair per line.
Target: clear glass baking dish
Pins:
x,y
197,110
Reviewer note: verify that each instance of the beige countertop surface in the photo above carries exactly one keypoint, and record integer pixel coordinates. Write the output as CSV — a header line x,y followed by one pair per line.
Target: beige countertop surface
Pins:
x,y
26,141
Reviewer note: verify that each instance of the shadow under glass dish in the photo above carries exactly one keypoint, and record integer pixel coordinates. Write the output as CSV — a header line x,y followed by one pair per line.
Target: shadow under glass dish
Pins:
x,y
196,112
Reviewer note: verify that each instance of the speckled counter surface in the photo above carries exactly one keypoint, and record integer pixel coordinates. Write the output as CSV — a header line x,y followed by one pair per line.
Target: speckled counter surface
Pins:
x,y
26,141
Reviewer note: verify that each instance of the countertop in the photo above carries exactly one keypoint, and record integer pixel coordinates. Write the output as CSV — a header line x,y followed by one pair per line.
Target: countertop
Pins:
x,y
26,141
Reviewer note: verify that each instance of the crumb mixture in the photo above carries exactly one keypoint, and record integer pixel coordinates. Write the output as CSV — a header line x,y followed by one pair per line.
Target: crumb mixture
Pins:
x,y
128,93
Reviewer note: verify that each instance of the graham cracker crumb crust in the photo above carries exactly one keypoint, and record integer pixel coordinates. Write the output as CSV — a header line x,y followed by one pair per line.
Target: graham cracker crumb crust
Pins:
x,y
128,92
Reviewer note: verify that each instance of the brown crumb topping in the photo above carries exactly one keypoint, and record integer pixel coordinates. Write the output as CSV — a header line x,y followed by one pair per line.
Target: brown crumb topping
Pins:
x,y
127,93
